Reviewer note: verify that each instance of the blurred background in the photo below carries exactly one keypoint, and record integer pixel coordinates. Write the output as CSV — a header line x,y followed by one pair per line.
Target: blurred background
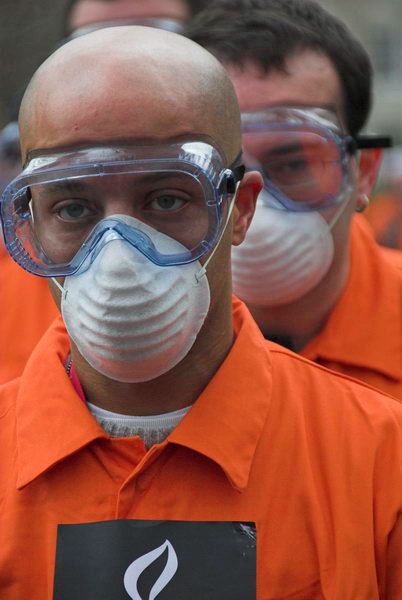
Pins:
x,y
30,30
378,25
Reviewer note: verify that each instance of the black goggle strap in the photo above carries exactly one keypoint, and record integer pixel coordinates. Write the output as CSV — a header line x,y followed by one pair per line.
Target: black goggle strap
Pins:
x,y
368,142
373,141
238,169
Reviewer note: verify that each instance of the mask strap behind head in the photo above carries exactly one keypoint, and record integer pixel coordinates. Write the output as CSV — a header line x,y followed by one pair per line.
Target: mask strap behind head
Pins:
x,y
203,269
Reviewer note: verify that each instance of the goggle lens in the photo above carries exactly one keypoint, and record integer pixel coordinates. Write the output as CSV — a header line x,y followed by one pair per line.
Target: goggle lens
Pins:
x,y
53,218
306,168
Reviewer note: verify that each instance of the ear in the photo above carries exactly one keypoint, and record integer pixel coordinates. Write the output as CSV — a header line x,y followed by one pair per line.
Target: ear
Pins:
x,y
247,194
369,165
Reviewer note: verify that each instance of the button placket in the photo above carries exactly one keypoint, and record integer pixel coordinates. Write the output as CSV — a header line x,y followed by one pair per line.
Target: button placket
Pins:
x,y
136,484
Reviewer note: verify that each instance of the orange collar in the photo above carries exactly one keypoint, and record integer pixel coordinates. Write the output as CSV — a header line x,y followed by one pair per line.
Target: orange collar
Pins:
x,y
365,326
225,424
52,421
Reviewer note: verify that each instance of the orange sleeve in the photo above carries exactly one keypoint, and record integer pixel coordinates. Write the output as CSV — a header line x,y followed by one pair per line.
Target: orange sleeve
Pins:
x,y
26,311
394,562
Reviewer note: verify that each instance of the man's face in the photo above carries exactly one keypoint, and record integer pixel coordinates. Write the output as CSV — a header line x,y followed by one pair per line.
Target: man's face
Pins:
x,y
138,102
310,80
88,12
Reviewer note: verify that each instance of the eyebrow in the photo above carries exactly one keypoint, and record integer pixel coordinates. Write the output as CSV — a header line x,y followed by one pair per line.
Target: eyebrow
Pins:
x,y
67,186
285,149
276,151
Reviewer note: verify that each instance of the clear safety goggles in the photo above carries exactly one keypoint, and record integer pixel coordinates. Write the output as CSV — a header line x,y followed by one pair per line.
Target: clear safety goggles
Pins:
x,y
56,213
303,155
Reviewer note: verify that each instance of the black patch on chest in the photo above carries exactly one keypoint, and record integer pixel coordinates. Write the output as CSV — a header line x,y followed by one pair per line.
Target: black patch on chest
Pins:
x,y
161,560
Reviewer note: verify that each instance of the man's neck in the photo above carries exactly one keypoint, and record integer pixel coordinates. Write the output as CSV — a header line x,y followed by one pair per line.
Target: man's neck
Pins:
x,y
179,387
294,325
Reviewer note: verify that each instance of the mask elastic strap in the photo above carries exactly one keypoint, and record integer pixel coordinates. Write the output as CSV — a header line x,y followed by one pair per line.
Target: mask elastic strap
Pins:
x,y
61,288
337,215
203,269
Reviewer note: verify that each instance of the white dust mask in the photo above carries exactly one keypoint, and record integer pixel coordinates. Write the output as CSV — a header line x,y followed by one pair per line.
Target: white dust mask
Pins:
x,y
284,256
131,319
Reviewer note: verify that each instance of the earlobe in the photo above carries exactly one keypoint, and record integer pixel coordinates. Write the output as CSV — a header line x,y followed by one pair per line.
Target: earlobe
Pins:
x,y
362,203
247,195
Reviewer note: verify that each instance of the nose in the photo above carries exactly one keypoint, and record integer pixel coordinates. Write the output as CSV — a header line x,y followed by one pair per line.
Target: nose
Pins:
x,y
125,228
119,206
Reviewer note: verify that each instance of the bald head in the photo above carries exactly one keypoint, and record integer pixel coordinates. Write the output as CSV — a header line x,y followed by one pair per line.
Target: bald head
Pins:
x,y
129,83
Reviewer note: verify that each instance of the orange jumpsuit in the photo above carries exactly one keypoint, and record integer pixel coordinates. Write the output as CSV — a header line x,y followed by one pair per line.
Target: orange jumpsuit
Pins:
x,y
363,334
311,457
384,214
26,311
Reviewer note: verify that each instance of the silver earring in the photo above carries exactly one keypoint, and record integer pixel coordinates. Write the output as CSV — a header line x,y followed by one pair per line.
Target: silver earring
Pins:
x,y
363,204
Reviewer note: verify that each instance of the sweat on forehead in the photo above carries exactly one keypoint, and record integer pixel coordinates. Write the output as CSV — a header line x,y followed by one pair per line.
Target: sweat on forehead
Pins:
x,y
129,82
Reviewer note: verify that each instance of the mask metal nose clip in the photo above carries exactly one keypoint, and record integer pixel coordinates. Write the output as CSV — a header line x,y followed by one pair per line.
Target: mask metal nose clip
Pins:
x,y
110,235
123,228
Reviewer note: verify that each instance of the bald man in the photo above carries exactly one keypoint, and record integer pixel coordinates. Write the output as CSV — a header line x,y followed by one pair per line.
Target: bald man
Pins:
x,y
22,326
156,445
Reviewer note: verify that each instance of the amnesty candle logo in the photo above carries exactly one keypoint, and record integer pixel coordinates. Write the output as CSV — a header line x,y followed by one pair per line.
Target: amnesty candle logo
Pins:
x,y
138,567
155,560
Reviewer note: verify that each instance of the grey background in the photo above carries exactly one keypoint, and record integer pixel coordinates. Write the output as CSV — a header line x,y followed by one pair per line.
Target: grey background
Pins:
x,y
29,29
378,24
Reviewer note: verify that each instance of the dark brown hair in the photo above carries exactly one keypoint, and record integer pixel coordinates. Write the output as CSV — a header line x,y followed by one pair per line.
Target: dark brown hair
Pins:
x,y
269,32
